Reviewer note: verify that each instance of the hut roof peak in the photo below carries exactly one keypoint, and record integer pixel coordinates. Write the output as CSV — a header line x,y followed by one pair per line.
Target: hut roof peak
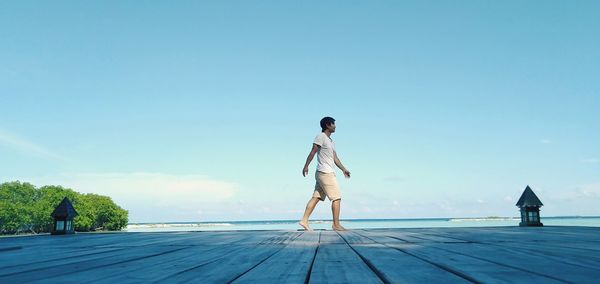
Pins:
x,y
64,209
528,198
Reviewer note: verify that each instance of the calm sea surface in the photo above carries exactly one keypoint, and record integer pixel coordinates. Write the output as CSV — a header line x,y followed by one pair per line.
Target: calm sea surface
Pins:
x,y
357,224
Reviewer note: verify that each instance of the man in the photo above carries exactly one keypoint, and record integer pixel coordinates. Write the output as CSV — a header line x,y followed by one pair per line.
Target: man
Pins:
x,y
326,184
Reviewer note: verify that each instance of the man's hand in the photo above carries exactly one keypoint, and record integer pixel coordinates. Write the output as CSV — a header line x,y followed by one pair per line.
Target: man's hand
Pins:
x,y
305,171
313,151
338,163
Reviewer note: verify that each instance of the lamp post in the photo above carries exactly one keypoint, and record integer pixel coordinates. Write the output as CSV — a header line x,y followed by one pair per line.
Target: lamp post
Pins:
x,y
530,205
63,218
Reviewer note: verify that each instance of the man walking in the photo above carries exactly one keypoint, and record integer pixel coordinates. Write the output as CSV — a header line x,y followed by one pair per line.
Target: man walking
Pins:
x,y
326,184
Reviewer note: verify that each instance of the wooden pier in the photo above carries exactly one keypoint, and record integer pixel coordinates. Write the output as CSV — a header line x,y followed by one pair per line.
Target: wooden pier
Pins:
x,y
431,255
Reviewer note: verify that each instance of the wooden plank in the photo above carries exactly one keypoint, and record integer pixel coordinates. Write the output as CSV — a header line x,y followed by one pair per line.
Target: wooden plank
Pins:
x,y
533,245
289,265
330,237
151,268
62,248
54,269
351,237
558,232
563,241
401,236
32,258
587,242
470,234
585,246
337,262
172,239
525,261
80,239
521,234
381,238
7,248
427,237
585,258
47,261
204,248
444,234
472,269
70,248
513,242
503,254
394,266
233,263
571,248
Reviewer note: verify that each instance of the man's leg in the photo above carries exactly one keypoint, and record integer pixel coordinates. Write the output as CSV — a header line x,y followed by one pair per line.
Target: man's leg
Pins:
x,y
335,210
310,206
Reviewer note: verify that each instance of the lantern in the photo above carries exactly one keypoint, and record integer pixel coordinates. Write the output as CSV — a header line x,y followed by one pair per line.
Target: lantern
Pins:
x,y
63,218
530,205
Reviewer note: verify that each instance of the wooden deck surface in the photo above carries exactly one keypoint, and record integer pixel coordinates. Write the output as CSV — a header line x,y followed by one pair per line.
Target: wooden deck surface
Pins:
x,y
442,255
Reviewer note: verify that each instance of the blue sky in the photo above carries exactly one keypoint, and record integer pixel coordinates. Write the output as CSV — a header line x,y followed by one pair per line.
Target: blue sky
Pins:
x,y
199,111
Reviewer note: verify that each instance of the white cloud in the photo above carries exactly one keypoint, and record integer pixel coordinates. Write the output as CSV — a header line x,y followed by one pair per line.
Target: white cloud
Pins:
x,y
545,141
590,161
583,193
25,146
579,199
295,212
446,206
165,196
587,191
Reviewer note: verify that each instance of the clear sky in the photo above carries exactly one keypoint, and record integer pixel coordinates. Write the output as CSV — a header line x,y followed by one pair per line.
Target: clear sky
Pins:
x,y
206,110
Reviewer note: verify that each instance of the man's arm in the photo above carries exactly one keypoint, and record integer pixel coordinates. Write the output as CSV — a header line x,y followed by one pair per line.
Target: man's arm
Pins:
x,y
338,163
311,155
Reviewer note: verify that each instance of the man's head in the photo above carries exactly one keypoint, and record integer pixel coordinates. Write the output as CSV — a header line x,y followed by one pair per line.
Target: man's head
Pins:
x,y
328,123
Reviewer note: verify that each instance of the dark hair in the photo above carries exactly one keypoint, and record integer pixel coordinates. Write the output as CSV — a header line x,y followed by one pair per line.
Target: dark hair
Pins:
x,y
325,122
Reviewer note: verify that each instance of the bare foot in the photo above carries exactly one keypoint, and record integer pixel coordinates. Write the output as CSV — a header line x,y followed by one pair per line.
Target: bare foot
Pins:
x,y
305,225
338,228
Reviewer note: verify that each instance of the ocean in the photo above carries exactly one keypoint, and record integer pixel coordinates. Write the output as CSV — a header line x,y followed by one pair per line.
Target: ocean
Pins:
x,y
589,221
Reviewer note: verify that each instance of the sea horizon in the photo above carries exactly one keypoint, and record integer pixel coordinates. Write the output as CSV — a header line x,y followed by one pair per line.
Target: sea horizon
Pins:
x,y
357,219
359,223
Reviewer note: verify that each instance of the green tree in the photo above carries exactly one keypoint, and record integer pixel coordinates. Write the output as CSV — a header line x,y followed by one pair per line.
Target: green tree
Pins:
x,y
106,215
48,197
23,208
16,206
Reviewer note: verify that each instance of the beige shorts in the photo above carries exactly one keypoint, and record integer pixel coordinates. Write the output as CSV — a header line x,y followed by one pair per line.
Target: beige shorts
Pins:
x,y
326,185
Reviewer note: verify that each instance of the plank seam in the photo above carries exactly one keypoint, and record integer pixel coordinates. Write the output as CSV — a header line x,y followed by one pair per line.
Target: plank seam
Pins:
x,y
307,279
376,271
441,266
105,257
541,253
449,237
209,261
99,266
10,248
486,260
400,239
506,265
265,259
57,258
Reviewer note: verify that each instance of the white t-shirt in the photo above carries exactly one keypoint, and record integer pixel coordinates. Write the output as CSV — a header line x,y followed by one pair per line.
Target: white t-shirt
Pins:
x,y
325,161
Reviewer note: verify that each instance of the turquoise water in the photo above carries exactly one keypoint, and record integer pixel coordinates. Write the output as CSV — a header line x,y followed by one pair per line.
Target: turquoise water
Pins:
x,y
357,224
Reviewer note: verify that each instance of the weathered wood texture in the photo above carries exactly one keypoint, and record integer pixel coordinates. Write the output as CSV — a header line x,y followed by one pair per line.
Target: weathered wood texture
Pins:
x,y
444,255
